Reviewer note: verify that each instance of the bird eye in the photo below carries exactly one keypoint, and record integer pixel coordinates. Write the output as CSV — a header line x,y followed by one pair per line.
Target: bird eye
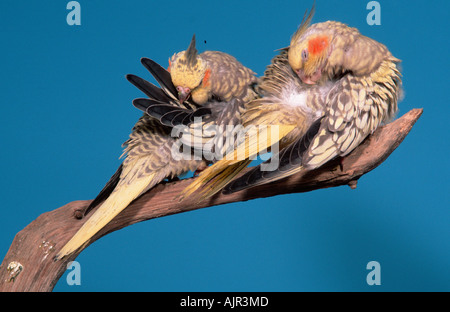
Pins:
x,y
305,54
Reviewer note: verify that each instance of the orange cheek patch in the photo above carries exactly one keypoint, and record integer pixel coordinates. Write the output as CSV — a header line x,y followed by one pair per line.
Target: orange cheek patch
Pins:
x,y
170,64
206,78
318,44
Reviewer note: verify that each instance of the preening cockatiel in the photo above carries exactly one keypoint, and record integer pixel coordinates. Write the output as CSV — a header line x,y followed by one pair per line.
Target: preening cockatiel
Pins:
x,y
150,158
218,82
326,92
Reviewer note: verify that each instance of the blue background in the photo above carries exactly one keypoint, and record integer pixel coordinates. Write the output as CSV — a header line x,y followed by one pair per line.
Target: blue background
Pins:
x,y
66,109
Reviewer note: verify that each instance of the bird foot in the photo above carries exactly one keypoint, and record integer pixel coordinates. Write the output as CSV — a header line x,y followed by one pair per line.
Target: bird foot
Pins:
x,y
200,169
174,179
341,163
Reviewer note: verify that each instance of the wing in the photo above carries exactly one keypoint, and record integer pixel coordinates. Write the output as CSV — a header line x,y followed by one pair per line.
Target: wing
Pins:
x,y
169,114
356,107
211,128
164,95
149,89
161,75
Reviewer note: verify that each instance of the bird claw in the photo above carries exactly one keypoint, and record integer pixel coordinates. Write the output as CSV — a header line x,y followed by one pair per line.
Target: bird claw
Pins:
x,y
174,179
341,163
200,169
197,172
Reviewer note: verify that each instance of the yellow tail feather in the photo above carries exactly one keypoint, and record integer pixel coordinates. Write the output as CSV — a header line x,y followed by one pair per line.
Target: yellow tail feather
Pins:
x,y
222,172
114,204
222,179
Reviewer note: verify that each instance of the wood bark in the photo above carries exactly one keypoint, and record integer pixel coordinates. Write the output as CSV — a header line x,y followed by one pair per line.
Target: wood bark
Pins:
x,y
29,264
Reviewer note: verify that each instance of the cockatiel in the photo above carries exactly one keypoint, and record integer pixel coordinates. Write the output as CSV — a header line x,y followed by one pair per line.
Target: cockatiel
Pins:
x,y
149,150
332,86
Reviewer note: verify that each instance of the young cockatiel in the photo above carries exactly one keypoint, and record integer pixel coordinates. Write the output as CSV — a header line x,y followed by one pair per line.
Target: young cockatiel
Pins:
x,y
332,85
149,151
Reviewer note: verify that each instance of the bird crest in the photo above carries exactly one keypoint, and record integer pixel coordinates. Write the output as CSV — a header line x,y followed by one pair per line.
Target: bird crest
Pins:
x,y
191,53
306,21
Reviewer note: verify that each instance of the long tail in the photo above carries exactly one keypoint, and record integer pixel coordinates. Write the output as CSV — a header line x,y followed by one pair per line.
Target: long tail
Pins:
x,y
116,202
217,176
289,161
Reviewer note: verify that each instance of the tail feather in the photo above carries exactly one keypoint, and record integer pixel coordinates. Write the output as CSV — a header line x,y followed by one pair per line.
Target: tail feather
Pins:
x,y
212,181
221,180
106,191
115,203
290,160
217,176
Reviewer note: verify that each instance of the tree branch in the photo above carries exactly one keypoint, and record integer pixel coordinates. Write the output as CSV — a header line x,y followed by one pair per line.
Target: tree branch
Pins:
x,y
29,264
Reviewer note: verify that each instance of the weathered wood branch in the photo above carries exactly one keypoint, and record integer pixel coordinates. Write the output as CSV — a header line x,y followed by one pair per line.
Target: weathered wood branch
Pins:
x,y
29,264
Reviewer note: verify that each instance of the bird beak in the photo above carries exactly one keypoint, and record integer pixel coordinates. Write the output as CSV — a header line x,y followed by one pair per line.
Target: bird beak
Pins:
x,y
312,79
183,94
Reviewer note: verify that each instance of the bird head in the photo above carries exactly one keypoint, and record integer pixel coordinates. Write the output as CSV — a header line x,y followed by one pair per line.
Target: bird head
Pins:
x,y
187,70
308,57
309,51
